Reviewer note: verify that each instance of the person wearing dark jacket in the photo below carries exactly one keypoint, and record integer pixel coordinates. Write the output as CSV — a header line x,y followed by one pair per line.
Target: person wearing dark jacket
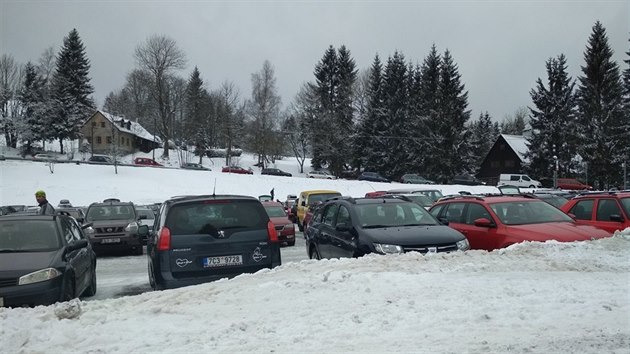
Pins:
x,y
44,207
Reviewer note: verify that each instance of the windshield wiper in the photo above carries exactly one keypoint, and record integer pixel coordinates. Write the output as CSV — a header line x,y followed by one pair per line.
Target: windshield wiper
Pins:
x,y
375,226
418,225
6,250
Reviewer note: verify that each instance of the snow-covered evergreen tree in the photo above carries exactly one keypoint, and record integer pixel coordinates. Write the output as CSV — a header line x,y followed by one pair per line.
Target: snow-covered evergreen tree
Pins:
x,y
603,131
516,123
369,142
71,89
326,82
553,122
429,140
197,114
484,132
344,111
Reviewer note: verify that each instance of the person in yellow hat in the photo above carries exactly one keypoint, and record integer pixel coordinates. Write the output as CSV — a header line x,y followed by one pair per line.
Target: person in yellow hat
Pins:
x,y
44,207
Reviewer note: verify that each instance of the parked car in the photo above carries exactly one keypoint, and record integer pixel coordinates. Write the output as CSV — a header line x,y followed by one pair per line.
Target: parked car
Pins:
x,y
44,259
467,180
320,175
606,210
554,199
76,213
572,184
45,157
284,227
194,166
145,161
434,194
307,199
205,238
375,194
506,189
414,178
101,160
420,199
275,172
64,203
146,216
289,207
518,180
498,221
237,169
115,227
348,227
372,177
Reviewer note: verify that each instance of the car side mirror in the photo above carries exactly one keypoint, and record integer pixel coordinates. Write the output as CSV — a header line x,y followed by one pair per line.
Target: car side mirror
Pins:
x,y
443,221
343,227
76,245
143,230
616,217
483,222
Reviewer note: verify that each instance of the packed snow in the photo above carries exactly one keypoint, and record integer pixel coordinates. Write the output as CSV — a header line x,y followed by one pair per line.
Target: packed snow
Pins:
x,y
533,297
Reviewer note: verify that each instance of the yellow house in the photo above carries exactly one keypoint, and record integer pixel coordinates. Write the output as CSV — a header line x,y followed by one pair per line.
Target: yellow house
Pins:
x,y
107,133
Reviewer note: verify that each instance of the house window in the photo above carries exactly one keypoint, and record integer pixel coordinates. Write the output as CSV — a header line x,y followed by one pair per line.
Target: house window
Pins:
x,y
109,139
102,124
93,124
99,140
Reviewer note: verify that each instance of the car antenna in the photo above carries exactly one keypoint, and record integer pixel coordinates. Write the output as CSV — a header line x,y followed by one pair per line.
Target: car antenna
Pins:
x,y
215,187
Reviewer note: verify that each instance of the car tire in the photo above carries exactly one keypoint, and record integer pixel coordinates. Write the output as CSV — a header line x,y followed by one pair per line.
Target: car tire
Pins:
x,y
532,186
314,254
152,282
91,289
137,251
67,290
291,243
311,177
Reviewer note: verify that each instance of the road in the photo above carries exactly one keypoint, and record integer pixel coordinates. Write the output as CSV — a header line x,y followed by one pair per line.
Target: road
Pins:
x,y
127,275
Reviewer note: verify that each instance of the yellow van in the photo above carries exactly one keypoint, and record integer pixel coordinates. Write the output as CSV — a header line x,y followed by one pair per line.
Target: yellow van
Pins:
x,y
308,198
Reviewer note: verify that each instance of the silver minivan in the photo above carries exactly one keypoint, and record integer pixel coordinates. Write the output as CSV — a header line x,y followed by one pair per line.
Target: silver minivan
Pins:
x,y
506,179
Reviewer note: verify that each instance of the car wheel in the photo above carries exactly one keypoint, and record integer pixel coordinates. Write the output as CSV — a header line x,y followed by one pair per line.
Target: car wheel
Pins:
x,y
314,254
91,289
291,243
300,226
311,177
532,186
67,292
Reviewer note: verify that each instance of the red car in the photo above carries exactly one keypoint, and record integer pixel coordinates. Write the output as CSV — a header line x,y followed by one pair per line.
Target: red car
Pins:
x,y
572,184
145,161
606,210
237,169
284,226
493,222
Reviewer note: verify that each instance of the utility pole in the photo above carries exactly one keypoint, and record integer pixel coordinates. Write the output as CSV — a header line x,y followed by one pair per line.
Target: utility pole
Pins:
x,y
624,165
555,172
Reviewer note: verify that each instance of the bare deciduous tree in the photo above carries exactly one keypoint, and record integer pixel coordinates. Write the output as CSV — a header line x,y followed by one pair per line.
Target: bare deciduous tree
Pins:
x,y
161,56
264,109
10,80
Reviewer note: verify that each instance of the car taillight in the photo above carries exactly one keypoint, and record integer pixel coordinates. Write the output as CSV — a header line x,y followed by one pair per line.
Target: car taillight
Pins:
x,y
164,239
271,231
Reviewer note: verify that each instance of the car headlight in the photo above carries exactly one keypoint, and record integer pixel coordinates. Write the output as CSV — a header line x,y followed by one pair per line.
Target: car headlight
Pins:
x,y
388,249
463,245
40,275
132,227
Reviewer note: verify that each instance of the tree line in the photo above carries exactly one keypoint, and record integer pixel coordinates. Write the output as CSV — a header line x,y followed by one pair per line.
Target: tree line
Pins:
x,y
394,117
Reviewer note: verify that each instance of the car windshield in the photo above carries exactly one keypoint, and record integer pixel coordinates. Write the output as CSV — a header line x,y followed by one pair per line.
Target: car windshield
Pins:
x,y
28,236
275,211
110,212
528,212
390,214
316,198
208,217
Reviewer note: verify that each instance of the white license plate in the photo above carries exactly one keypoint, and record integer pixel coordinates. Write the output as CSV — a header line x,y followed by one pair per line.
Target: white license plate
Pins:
x,y
222,261
110,240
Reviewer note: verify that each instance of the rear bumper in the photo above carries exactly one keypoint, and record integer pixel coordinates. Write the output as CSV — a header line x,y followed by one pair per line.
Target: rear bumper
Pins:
x,y
41,293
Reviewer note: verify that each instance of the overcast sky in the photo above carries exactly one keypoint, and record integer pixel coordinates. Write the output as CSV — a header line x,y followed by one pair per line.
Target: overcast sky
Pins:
x,y
500,46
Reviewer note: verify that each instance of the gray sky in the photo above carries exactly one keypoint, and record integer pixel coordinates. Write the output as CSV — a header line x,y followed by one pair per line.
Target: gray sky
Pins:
x,y
500,46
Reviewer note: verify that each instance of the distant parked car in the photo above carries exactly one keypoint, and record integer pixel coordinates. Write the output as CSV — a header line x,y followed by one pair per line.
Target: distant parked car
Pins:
x,y
194,166
467,180
348,227
434,194
145,161
572,184
237,169
45,259
414,178
320,175
518,180
146,216
279,218
101,159
64,203
275,172
45,157
205,238
420,199
498,221
372,177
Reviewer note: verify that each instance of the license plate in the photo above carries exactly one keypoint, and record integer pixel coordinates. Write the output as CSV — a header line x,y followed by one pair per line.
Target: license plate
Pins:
x,y
222,261
110,240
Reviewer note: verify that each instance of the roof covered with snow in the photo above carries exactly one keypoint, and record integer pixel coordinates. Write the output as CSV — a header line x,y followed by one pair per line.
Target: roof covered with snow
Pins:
x,y
518,143
135,128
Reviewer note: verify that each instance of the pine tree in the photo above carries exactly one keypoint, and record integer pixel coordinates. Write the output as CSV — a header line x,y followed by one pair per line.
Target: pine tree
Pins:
x,y
344,111
31,99
484,133
71,89
326,82
552,122
369,142
430,138
196,113
599,99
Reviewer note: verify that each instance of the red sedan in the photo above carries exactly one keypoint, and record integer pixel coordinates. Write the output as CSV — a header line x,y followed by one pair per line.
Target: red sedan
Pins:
x,y
237,169
145,161
284,227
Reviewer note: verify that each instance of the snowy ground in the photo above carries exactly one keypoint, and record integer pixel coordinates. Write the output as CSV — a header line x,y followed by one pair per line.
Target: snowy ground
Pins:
x,y
533,297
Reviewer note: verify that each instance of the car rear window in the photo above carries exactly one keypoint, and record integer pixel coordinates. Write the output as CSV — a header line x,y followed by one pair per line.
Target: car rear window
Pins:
x,y
275,211
209,216
110,212
28,236
315,198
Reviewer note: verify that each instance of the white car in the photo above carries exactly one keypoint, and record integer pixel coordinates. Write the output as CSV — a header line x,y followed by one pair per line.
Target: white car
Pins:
x,y
44,157
320,174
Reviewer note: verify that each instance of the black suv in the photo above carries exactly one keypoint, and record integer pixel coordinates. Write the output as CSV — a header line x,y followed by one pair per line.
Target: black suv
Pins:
x,y
204,238
115,226
467,180
44,259
348,227
275,172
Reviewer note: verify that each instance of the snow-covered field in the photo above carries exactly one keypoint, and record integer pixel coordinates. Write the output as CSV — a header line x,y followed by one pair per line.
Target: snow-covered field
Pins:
x,y
533,297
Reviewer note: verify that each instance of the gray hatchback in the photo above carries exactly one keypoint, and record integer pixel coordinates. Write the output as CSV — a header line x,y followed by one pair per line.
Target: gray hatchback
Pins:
x,y
200,239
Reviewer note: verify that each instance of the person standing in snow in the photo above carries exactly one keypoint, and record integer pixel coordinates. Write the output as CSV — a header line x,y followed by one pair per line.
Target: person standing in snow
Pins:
x,y
44,207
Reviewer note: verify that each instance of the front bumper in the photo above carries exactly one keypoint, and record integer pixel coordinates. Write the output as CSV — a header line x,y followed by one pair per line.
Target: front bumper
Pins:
x,y
41,293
